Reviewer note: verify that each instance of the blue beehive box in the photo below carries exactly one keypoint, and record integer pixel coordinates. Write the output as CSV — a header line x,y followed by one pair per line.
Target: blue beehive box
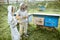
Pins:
x,y
50,20
30,18
42,8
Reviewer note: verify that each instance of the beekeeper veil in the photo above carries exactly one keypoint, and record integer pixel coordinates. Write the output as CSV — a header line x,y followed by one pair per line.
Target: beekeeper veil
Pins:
x,y
9,13
23,6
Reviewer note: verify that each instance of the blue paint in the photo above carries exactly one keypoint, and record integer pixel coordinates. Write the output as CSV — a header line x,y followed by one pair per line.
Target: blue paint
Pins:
x,y
42,8
30,18
51,21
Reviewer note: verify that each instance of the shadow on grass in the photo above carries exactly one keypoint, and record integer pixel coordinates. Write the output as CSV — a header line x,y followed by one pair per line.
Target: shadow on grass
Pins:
x,y
43,34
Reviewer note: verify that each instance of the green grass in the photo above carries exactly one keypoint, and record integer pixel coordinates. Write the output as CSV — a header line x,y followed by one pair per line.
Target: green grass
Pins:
x,y
4,28
41,34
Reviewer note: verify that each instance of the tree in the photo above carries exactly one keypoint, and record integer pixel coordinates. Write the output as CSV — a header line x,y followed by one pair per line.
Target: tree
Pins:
x,y
8,1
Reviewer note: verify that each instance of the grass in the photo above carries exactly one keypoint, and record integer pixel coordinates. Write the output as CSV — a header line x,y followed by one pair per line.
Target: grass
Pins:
x,y
4,28
41,34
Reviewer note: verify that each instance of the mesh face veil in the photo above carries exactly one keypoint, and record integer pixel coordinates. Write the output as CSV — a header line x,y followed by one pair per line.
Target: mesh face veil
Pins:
x,y
23,6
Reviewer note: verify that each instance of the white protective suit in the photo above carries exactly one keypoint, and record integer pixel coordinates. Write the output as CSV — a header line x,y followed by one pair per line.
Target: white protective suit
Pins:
x,y
23,22
12,22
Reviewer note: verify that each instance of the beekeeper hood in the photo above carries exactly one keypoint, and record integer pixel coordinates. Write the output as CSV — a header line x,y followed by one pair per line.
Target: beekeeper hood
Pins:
x,y
23,6
10,8
9,13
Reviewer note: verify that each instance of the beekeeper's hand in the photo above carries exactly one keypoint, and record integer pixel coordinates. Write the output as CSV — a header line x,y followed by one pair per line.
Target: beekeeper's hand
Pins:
x,y
17,17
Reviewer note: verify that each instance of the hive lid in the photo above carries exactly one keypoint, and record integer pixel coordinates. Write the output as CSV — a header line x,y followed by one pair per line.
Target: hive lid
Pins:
x,y
44,14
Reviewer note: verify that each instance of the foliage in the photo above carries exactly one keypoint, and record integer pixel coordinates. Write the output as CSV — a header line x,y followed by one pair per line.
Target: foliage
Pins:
x,y
42,34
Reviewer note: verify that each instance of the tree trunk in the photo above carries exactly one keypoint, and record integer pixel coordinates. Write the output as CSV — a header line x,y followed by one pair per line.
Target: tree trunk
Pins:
x,y
7,1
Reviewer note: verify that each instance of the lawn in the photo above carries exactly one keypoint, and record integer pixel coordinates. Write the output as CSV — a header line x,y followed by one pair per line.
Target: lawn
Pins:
x,y
41,34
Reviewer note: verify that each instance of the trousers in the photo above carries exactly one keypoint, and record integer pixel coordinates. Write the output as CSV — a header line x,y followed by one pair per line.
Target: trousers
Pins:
x,y
14,33
23,28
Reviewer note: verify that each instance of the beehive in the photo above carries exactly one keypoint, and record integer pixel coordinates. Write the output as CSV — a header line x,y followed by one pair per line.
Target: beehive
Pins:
x,y
49,20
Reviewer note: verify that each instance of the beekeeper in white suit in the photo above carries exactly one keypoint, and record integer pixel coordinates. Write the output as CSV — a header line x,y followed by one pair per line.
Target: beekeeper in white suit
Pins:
x,y
22,17
13,22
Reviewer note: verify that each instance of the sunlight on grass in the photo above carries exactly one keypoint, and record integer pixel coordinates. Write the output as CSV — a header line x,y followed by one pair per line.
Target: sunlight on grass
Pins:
x,y
42,34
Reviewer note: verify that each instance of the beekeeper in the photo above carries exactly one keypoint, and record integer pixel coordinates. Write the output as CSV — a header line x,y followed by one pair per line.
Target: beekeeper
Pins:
x,y
13,22
22,17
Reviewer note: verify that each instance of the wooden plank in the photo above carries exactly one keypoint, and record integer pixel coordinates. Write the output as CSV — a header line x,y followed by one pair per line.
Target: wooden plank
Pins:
x,y
38,21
